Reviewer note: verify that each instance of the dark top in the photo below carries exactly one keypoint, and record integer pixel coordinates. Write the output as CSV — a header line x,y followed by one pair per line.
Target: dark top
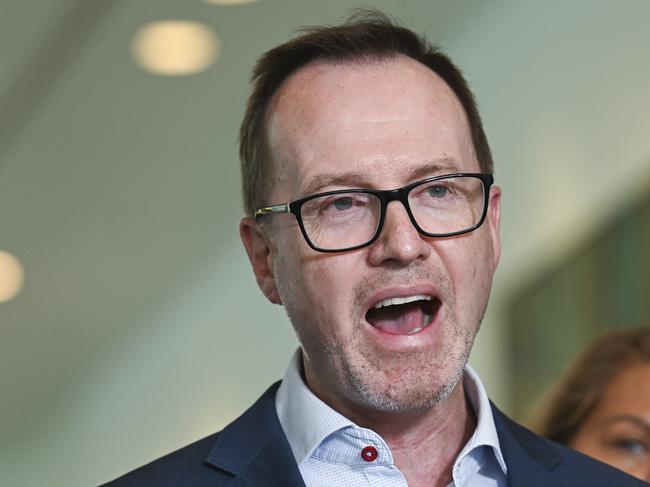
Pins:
x,y
253,451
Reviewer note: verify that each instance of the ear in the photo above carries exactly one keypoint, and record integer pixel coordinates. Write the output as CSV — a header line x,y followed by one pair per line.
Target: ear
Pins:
x,y
493,220
259,254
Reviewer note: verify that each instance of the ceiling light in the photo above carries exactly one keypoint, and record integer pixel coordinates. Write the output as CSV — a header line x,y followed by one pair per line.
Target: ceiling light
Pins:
x,y
11,276
175,47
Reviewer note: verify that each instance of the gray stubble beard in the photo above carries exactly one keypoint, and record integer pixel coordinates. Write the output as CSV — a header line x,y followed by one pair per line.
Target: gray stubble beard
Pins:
x,y
418,391
364,381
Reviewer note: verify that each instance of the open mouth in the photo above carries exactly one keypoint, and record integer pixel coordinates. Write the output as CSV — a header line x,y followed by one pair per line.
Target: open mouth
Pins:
x,y
403,315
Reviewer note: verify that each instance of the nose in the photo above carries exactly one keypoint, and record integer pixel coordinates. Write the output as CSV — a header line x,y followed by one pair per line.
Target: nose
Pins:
x,y
399,241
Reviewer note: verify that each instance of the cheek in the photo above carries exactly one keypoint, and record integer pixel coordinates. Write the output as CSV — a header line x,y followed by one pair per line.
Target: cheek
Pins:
x,y
329,282
590,441
586,442
316,290
469,264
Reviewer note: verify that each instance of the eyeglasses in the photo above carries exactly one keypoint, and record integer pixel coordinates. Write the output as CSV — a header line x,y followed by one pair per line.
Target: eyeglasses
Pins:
x,y
348,219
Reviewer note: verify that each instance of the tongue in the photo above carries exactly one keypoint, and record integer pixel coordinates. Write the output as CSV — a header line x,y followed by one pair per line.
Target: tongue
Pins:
x,y
400,319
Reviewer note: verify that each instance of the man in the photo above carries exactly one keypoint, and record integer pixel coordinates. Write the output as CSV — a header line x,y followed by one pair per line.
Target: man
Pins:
x,y
373,219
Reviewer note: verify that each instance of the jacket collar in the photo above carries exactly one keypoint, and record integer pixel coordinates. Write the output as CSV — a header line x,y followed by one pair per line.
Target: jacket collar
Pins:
x,y
254,450
530,458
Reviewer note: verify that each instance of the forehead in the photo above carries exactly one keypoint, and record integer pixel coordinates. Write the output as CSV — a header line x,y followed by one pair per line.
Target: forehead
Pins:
x,y
375,116
625,390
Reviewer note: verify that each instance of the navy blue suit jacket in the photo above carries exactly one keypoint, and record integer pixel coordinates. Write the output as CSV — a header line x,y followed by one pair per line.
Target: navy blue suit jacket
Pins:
x,y
254,452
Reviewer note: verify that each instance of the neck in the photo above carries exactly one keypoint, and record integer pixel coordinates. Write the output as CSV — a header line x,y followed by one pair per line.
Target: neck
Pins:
x,y
443,429
413,435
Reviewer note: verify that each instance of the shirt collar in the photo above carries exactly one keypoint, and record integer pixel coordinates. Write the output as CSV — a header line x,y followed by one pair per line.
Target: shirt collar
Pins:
x,y
485,433
307,421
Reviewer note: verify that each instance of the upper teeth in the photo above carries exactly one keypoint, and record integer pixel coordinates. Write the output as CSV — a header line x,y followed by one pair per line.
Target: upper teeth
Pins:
x,y
404,300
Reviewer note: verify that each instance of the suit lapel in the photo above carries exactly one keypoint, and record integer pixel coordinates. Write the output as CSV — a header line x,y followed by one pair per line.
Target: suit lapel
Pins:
x,y
273,467
254,450
528,457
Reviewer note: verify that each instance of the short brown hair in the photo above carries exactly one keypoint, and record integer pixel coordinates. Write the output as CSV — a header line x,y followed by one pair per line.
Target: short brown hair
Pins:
x,y
366,35
576,395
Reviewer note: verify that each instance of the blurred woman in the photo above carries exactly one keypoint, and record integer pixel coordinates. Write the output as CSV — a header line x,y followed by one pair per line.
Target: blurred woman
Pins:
x,y
602,406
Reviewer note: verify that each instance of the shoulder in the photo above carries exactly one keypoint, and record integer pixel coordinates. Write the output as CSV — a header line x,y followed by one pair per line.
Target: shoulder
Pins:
x,y
214,459
174,469
533,460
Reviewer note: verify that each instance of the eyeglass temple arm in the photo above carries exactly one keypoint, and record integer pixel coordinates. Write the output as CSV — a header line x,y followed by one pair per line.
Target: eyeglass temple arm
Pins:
x,y
265,210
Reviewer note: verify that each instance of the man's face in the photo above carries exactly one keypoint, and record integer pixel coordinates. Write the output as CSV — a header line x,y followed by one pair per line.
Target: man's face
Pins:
x,y
378,125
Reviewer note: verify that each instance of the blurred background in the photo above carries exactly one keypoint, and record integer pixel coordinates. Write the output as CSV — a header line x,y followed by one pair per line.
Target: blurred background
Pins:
x,y
130,322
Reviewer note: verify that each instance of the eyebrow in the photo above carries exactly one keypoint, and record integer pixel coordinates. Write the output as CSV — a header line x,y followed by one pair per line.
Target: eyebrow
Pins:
x,y
629,419
358,180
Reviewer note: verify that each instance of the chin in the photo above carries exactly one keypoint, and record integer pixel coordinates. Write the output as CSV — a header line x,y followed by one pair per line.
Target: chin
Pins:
x,y
404,401
400,390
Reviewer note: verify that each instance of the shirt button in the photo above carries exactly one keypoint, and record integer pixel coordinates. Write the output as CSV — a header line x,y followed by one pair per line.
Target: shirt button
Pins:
x,y
369,454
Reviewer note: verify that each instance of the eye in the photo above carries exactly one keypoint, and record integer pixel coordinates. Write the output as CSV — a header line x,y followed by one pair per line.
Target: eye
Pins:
x,y
338,206
341,204
630,445
437,191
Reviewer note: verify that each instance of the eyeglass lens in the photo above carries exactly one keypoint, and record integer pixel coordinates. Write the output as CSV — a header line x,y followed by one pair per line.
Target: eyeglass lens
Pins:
x,y
439,207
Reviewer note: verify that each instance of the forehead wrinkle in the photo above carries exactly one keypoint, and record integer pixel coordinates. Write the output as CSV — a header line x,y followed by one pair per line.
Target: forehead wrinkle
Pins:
x,y
441,166
306,113
445,165
296,117
321,181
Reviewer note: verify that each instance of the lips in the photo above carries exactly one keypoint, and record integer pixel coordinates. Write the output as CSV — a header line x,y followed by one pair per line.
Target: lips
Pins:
x,y
403,315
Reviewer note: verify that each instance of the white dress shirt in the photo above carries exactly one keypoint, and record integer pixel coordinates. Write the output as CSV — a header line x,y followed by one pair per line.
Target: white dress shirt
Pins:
x,y
330,450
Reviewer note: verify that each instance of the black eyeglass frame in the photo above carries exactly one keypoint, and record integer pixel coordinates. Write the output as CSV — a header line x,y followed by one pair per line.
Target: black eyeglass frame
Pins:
x,y
385,197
